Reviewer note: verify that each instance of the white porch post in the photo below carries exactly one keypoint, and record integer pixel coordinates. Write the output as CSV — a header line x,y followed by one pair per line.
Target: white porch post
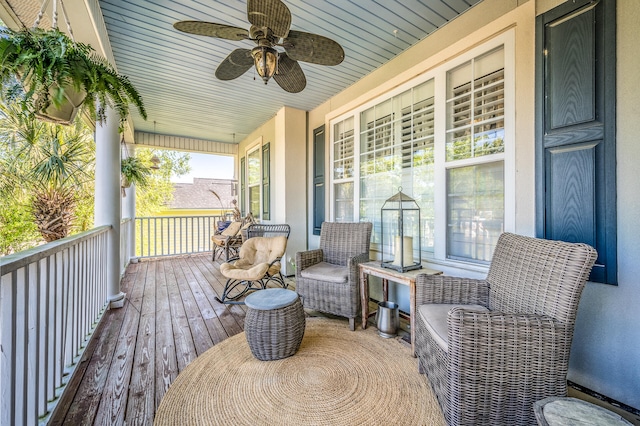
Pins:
x,y
107,199
129,210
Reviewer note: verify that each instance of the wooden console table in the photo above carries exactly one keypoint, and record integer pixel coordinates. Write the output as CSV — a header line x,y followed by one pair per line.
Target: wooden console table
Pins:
x,y
405,278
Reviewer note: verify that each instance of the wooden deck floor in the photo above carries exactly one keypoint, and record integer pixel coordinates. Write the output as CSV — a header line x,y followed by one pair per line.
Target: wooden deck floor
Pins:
x,y
169,318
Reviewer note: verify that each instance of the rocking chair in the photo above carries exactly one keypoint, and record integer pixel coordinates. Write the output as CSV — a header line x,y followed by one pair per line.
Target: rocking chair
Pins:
x,y
257,264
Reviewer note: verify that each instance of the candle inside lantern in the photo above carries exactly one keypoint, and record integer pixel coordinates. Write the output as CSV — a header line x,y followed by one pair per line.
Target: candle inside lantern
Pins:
x,y
407,251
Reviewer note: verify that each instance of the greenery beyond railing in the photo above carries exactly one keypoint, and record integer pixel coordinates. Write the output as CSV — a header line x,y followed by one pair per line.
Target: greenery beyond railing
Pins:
x,y
51,299
174,235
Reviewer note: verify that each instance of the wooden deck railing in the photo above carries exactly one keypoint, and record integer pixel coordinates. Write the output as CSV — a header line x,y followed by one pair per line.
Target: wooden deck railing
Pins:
x,y
51,299
127,249
174,235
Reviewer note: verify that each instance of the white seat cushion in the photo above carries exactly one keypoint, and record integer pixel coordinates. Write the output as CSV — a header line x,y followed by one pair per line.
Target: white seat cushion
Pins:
x,y
324,271
434,316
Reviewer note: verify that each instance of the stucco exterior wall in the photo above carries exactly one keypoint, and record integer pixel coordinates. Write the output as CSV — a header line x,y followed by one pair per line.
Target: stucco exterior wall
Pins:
x,y
286,132
606,351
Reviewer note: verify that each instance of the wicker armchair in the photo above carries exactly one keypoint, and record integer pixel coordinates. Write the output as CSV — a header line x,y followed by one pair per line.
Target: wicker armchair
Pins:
x,y
327,278
493,347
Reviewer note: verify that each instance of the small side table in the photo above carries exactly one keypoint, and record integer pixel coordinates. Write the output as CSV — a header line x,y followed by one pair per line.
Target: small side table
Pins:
x,y
274,324
566,411
406,278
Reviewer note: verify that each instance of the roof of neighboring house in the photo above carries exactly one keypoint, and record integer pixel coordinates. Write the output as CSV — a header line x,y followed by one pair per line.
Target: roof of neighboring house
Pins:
x,y
198,195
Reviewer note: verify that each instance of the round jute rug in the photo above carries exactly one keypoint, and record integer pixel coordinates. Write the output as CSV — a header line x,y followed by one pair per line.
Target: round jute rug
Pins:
x,y
338,377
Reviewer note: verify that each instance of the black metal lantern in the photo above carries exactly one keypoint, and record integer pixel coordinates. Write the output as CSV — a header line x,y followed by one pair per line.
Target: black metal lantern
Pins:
x,y
401,215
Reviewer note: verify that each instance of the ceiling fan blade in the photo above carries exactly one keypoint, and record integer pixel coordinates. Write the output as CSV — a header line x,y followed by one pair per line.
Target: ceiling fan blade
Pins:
x,y
212,30
272,14
234,65
313,48
289,76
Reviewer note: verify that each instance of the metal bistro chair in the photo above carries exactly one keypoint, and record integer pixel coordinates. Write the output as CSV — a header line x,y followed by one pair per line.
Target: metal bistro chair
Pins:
x,y
493,347
257,264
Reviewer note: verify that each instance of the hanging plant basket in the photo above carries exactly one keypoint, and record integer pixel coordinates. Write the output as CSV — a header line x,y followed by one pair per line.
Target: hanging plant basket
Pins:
x,y
134,171
58,76
44,109
124,183
66,112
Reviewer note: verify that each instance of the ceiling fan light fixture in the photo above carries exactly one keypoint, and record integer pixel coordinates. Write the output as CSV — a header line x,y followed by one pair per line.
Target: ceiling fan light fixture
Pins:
x,y
266,61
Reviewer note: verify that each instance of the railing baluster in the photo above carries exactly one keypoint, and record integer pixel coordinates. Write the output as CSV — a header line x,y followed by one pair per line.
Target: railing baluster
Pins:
x,y
49,347
56,305
197,236
21,342
41,352
32,338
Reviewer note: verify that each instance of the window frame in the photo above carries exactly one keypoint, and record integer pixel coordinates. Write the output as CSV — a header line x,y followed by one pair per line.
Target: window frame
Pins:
x,y
439,75
254,148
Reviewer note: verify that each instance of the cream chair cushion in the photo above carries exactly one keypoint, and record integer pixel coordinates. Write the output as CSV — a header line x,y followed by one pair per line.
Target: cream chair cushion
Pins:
x,y
256,256
230,231
328,272
434,316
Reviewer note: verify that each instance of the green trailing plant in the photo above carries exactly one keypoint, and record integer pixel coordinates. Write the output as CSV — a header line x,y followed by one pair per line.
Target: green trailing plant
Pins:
x,y
48,63
134,171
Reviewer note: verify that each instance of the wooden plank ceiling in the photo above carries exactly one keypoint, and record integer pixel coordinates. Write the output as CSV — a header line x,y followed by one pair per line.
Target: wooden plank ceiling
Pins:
x,y
174,71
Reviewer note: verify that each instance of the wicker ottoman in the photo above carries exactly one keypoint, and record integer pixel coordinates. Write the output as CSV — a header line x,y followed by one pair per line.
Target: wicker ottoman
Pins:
x,y
274,324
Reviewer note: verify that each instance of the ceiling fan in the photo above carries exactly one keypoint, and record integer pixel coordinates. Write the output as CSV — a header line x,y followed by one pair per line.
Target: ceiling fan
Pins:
x,y
270,27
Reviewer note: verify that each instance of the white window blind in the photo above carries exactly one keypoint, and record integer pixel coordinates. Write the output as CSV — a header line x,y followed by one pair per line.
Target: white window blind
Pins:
x,y
475,108
343,170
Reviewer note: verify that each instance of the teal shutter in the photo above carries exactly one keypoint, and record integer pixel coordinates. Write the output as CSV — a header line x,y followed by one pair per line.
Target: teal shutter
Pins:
x,y
575,129
266,194
318,179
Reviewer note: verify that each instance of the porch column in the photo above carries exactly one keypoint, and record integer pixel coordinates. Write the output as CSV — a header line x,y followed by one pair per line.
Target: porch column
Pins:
x,y
107,199
129,211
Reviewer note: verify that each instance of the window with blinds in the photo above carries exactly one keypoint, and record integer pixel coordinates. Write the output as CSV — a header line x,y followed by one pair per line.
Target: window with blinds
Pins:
x,y
253,181
396,150
445,139
343,149
475,108
475,140
343,170
417,128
